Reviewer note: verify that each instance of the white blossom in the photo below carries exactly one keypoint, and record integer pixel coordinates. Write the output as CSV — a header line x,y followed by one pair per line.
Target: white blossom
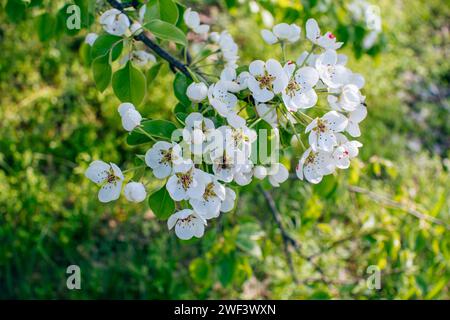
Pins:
x,y
197,92
330,71
90,38
230,200
345,151
348,100
197,132
187,182
313,165
299,93
322,130
244,173
115,22
260,172
135,192
354,118
282,32
208,205
109,176
187,224
228,48
266,79
164,157
192,20
142,57
131,118
326,41
221,100
277,174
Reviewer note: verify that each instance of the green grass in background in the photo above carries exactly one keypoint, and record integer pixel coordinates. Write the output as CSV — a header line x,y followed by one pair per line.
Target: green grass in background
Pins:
x,y
53,123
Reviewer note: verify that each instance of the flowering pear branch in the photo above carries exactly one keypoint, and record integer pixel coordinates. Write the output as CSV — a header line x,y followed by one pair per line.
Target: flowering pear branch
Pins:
x,y
215,147
173,62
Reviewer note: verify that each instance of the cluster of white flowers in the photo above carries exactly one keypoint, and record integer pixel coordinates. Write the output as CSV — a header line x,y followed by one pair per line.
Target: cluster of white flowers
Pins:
x,y
296,85
212,155
116,23
363,10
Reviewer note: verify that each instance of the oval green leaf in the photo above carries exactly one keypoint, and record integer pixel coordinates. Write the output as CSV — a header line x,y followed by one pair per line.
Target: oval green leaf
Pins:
x,y
166,31
102,72
161,204
180,85
129,84
158,129
103,45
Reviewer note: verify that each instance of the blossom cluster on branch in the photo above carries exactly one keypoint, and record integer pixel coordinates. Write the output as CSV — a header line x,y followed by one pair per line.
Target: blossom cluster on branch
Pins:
x,y
231,118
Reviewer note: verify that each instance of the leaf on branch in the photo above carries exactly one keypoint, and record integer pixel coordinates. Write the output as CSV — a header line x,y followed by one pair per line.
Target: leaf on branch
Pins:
x,y
165,10
104,44
102,72
158,129
161,204
129,84
46,26
180,85
16,10
152,73
166,31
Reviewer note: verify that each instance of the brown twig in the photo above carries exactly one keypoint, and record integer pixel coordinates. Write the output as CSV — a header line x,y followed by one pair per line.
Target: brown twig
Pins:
x,y
397,205
174,63
288,240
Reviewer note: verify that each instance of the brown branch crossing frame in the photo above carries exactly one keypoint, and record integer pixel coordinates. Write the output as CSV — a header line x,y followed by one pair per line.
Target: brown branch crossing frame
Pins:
x,y
174,63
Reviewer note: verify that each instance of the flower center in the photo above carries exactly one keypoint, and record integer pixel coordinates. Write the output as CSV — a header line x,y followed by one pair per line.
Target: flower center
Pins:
x,y
321,126
310,159
209,191
166,156
292,88
185,179
111,176
187,219
265,81
224,162
331,36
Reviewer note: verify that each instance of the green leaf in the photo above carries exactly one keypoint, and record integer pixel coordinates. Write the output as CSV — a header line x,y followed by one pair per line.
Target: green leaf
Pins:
x,y
85,54
46,26
129,84
161,204
165,10
166,31
16,9
102,72
181,117
247,238
180,85
103,45
199,270
159,129
152,73
226,269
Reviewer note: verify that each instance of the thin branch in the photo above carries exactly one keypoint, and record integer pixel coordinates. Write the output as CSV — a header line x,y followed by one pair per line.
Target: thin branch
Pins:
x,y
174,63
289,240
397,205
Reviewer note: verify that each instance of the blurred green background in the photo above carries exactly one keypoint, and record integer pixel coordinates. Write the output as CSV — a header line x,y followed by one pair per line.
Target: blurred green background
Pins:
x,y
53,122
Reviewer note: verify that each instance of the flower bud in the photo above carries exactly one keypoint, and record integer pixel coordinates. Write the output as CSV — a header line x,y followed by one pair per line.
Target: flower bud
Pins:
x,y
136,28
131,118
197,92
90,38
260,172
135,192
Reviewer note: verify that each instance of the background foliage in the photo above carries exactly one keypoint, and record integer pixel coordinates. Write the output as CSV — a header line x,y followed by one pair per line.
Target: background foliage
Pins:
x,y
53,122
